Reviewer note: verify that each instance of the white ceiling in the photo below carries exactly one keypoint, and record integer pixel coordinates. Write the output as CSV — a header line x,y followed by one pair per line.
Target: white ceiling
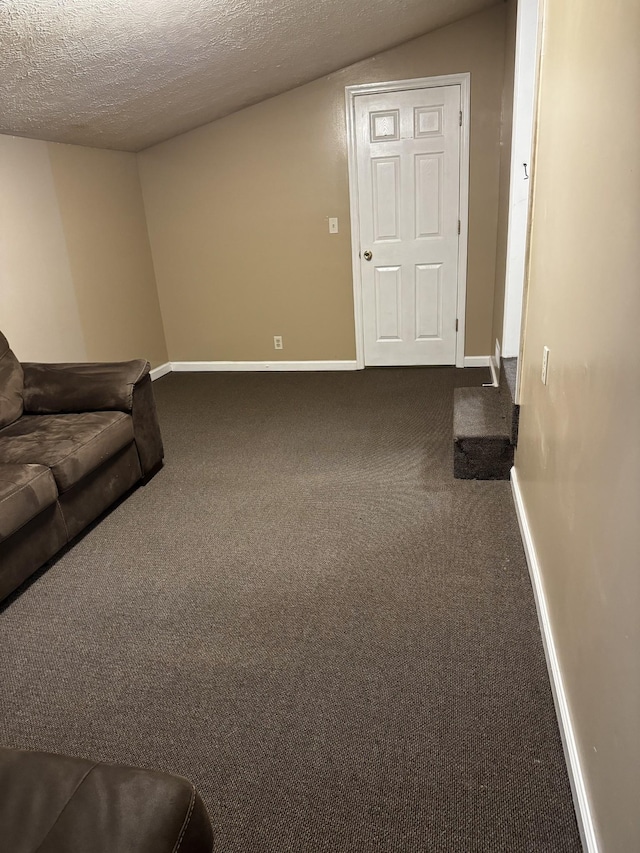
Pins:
x,y
129,73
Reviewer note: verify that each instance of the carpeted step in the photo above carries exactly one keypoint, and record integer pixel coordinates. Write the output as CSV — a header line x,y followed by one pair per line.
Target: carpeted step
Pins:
x,y
508,372
482,447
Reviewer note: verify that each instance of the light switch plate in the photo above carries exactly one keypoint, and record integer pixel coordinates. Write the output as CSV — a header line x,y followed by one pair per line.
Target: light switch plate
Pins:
x,y
333,225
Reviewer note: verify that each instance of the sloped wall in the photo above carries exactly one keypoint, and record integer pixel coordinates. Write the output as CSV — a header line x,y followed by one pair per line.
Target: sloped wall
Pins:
x,y
76,274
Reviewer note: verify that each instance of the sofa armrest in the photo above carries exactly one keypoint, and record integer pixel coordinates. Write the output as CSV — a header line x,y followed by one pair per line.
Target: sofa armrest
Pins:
x,y
57,388
146,428
55,802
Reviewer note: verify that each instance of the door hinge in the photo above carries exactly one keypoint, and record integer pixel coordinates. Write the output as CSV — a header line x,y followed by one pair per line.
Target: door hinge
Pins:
x,y
458,226
456,324
460,115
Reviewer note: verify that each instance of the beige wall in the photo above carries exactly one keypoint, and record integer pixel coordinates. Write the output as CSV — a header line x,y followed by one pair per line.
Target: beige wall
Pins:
x,y
578,457
76,275
38,308
237,210
505,177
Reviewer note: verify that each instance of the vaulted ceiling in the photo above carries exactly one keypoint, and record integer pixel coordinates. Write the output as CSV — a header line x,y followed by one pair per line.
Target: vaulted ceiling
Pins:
x,y
127,74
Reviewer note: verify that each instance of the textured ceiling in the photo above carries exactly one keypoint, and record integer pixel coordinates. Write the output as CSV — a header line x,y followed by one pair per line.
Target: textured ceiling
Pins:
x,y
129,73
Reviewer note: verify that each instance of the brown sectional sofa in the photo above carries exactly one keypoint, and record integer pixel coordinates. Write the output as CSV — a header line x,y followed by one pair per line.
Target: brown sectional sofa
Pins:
x,y
73,439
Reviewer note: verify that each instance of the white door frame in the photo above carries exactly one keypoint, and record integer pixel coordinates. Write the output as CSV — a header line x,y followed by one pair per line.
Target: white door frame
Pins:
x,y
525,75
351,93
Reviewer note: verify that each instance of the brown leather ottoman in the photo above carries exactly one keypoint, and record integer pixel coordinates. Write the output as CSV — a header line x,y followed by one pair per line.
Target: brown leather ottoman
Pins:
x,y
55,804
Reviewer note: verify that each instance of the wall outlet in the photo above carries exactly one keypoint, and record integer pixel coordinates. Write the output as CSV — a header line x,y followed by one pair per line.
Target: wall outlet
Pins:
x,y
277,341
545,365
333,225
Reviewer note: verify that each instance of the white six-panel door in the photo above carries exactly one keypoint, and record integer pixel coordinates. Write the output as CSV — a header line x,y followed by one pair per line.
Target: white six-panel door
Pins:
x,y
408,170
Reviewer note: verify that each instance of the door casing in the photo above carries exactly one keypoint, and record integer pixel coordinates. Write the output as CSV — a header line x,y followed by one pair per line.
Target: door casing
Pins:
x,y
351,93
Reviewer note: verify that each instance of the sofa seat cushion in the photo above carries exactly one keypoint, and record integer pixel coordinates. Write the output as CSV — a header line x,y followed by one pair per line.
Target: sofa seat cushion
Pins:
x,y
71,445
25,490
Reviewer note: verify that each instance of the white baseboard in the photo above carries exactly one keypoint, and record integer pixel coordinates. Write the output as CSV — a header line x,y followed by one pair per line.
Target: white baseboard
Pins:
x,y
477,361
572,755
271,366
275,366
162,370
494,364
494,367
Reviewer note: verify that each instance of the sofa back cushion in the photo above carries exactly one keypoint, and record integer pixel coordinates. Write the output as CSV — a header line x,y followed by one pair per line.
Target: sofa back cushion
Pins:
x,y
11,385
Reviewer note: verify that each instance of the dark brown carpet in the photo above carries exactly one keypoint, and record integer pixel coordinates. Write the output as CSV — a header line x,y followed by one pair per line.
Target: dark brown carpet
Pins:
x,y
305,614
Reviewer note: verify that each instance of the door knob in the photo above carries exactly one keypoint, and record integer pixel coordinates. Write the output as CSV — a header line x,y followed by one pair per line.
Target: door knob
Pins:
x,y
367,255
